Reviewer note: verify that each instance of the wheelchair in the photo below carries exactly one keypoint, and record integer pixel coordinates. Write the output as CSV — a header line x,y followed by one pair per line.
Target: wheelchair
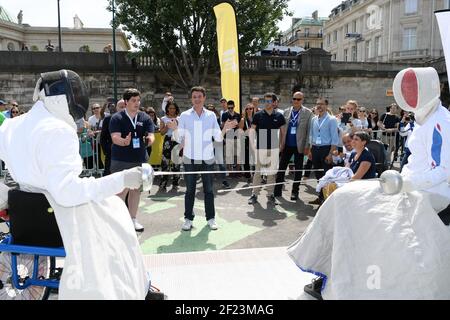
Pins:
x,y
28,251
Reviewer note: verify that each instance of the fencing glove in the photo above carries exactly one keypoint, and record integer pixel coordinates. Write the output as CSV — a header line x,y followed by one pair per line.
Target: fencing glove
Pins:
x,y
132,178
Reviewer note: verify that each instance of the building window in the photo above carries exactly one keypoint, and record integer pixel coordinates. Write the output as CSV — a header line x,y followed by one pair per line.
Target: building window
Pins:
x,y
411,7
335,36
368,51
354,54
409,39
306,32
345,54
328,39
377,46
321,45
307,46
354,26
334,57
347,28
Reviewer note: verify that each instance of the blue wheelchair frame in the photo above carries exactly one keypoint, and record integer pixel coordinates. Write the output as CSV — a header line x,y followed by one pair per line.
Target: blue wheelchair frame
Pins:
x,y
7,245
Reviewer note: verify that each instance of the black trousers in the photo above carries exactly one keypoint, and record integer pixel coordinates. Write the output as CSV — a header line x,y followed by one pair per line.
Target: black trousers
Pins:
x,y
286,156
319,153
191,183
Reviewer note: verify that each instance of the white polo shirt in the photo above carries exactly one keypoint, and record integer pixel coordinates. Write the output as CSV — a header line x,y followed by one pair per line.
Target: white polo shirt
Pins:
x,y
197,133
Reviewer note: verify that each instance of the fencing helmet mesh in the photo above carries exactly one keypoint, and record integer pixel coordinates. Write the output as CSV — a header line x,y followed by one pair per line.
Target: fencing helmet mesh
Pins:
x,y
418,90
69,84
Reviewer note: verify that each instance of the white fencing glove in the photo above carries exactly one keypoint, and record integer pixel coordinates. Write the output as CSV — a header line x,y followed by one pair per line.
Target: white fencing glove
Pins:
x,y
132,178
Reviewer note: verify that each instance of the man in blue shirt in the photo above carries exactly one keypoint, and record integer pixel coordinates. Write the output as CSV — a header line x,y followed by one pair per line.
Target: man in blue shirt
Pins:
x,y
324,139
131,133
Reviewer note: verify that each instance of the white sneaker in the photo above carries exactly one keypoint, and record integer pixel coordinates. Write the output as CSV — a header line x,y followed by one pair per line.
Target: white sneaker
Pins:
x,y
137,226
212,224
187,225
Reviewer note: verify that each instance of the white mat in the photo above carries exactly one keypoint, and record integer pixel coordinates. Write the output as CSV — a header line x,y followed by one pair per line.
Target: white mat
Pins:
x,y
248,274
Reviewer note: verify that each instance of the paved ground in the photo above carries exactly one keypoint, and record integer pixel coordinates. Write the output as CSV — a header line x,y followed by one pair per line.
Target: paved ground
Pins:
x,y
241,225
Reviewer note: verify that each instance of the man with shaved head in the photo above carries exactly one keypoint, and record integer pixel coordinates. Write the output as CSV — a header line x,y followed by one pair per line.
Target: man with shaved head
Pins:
x,y
298,119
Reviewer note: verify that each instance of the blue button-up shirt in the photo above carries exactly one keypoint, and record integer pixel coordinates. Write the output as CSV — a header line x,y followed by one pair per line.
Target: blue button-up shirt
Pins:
x,y
324,131
197,133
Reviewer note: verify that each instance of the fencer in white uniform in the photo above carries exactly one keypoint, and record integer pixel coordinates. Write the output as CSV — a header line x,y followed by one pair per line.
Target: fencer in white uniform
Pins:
x,y
373,240
41,149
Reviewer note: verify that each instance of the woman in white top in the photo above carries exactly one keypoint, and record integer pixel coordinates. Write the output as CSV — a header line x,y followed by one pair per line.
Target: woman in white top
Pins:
x,y
95,120
168,163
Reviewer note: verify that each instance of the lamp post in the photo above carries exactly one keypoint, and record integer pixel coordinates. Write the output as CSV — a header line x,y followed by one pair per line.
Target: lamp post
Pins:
x,y
114,49
59,29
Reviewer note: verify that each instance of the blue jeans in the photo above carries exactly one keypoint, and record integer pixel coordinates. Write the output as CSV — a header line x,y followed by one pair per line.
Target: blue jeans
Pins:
x,y
191,184
405,158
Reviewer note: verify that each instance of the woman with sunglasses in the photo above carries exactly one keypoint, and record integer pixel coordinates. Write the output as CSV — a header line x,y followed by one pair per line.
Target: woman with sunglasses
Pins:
x,y
244,125
15,112
167,163
373,119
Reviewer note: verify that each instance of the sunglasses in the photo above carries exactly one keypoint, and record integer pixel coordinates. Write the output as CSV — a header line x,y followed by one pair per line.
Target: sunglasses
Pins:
x,y
14,112
297,99
268,101
95,108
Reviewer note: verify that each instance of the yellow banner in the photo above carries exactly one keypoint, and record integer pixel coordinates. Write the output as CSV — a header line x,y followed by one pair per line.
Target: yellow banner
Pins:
x,y
228,50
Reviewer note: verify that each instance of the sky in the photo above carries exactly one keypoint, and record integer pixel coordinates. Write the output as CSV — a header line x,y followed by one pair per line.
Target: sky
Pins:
x,y
93,13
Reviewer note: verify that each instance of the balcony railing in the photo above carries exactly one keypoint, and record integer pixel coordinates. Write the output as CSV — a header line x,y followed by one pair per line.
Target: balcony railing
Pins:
x,y
303,36
410,54
270,63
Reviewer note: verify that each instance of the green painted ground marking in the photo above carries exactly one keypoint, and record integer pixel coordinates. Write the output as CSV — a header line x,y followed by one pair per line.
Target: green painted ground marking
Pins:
x,y
286,212
200,238
178,198
156,207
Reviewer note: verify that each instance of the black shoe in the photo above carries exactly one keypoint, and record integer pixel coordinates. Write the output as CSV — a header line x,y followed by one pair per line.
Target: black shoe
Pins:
x,y
271,200
294,196
314,289
155,295
253,199
318,201
226,185
263,180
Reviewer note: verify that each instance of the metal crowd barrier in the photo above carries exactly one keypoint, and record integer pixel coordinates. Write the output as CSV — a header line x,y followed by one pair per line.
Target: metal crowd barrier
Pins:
x,y
90,152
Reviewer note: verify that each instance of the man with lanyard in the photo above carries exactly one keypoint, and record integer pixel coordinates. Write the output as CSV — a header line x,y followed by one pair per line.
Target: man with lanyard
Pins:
x,y
230,152
324,139
297,143
131,133
196,129
266,123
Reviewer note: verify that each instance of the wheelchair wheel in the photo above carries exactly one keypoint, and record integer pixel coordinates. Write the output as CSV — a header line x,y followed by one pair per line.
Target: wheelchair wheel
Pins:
x,y
25,265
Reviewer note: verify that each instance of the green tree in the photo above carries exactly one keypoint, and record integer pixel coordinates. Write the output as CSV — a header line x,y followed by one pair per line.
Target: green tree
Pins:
x,y
181,34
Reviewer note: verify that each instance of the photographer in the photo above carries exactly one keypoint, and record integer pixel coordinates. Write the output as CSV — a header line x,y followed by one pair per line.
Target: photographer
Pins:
x,y
406,128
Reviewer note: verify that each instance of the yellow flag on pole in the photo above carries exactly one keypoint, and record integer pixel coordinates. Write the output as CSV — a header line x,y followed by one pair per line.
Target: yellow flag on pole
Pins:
x,y
228,50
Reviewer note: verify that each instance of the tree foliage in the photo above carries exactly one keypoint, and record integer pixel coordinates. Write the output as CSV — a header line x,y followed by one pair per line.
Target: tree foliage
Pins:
x,y
181,34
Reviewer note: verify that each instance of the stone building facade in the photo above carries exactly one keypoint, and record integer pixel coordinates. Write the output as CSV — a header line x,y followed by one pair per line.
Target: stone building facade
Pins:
x,y
384,30
306,32
15,36
312,72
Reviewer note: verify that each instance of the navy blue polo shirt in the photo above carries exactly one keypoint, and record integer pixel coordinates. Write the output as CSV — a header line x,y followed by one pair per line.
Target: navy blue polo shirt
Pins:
x,y
120,122
267,126
227,116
